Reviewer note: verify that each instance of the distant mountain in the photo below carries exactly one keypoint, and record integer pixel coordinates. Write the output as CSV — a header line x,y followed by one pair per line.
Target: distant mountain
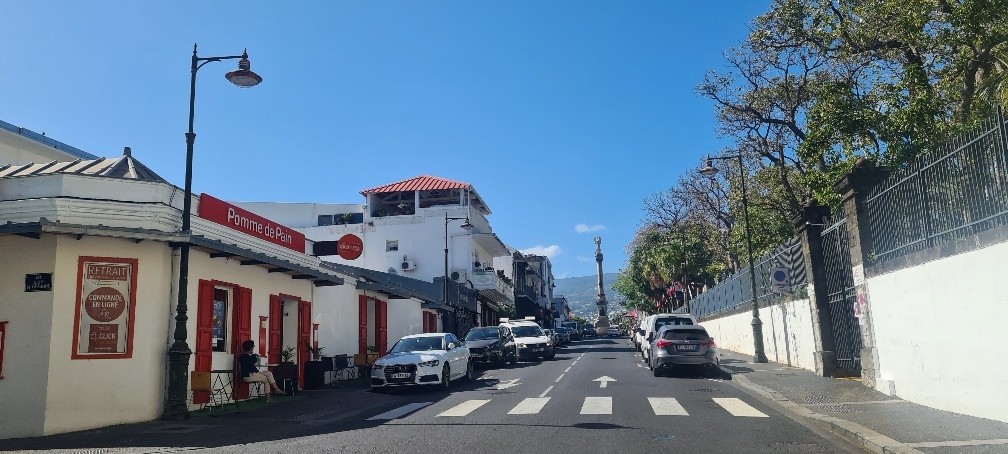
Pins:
x,y
581,293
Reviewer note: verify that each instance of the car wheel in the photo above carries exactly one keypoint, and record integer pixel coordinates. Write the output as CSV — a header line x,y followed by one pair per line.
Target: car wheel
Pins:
x,y
552,354
499,360
514,358
445,378
470,373
656,371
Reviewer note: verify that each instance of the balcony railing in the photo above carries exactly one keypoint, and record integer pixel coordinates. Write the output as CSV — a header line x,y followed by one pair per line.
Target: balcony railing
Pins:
x,y
492,285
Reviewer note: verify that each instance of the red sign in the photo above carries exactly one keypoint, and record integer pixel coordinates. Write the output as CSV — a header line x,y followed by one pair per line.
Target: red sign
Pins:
x,y
103,338
349,246
105,304
249,223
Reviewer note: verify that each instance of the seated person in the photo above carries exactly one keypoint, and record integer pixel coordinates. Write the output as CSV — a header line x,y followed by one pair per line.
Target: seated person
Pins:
x,y
250,372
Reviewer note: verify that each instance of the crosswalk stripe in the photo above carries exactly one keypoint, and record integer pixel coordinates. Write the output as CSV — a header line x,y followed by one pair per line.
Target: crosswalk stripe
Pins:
x,y
666,406
597,406
529,406
464,408
738,408
397,412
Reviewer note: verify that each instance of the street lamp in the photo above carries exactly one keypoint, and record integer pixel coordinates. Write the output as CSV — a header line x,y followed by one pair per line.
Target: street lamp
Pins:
x,y
179,352
708,170
467,226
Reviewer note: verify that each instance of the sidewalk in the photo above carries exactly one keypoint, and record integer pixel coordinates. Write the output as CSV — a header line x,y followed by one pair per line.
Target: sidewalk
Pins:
x,y
864,416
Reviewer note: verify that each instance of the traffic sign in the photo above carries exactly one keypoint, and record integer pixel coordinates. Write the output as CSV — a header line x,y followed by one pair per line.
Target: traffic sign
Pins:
x,y
779,280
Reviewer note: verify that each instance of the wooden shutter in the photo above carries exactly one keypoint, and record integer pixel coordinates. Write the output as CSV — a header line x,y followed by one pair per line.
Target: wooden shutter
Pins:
x,y
381,320
275,320
204,335
242,328
304,337
362,340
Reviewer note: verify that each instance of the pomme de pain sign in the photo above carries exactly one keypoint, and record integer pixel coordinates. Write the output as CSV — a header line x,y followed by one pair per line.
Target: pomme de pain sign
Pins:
x,y
249,223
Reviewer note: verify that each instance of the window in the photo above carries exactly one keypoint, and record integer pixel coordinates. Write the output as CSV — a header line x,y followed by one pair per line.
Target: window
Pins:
x,y
686,334
325,219
391,245
220,317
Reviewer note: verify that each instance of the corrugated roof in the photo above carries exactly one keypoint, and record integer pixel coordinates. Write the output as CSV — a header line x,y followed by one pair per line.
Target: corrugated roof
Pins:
x,y
124,167
418,183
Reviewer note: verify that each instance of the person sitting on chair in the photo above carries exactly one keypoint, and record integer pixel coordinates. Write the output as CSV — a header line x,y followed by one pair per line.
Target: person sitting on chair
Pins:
x,y
250,371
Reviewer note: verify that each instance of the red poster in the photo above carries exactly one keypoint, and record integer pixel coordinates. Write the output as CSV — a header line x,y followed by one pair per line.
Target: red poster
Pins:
x,y
249,223
106,297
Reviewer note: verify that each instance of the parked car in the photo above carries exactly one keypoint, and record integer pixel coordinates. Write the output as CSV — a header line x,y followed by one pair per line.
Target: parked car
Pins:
x,y
563,334
532,342
572,330
654,322
636,332
680,345
552,334
491,345
614,331
423,359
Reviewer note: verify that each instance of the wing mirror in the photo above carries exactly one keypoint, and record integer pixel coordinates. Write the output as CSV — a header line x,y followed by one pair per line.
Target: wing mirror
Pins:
x,y
451,346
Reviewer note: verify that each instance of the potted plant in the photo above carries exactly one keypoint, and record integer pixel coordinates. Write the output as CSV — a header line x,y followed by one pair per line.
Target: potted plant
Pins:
x,y
286,372
315,352
372,354
314,372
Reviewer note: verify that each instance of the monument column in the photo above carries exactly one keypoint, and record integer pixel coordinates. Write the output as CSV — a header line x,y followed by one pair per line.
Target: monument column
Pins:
x,y
602,325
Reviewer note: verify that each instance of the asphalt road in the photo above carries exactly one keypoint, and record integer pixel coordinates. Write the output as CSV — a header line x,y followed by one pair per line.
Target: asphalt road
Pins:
x,y
555,406
561,406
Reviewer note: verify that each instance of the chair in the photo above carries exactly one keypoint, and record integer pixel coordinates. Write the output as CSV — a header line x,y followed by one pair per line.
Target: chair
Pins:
x,y
237,382
286,376
202,381
345,367
327,370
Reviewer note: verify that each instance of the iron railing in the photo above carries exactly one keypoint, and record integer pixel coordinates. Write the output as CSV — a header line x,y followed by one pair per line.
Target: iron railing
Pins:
x,y
735,292
957,191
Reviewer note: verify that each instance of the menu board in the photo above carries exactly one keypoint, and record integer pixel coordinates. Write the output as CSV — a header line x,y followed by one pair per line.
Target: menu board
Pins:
x,y
106,297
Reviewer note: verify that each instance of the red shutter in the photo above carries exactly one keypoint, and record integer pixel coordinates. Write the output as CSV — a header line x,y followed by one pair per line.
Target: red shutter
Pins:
x,y
275,319
242,321
204,335
304,337
381,320
362,340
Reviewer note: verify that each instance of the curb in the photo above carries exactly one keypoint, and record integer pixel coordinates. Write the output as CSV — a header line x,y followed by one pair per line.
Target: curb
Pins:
x,y
851,431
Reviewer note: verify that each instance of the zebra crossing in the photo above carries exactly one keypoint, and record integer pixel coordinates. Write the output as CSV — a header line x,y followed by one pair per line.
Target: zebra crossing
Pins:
x,y
660,406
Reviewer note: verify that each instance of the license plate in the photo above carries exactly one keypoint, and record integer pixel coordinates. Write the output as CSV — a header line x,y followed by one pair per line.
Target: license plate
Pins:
x,y
686,347
537,349
401,375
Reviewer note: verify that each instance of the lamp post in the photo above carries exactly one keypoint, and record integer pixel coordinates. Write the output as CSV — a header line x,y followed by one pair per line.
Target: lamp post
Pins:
x,y
179,352
467,227
709,170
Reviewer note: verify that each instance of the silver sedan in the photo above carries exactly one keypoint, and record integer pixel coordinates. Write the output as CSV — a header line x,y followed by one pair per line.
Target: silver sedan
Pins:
x,y
683,345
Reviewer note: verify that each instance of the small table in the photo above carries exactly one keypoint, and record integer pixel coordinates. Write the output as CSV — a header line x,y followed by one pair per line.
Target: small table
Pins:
x,y
220,384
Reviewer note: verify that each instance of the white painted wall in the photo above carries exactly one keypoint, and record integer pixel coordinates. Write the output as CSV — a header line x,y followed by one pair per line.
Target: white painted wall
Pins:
x,y
335,310
940,331
787,333
404,318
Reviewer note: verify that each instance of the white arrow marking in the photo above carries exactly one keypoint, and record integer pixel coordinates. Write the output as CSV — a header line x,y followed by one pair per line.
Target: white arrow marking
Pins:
x,y
507,384
605,379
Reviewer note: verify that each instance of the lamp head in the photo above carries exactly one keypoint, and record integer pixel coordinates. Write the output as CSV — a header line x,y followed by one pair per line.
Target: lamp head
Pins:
x,y
708,170
243,77
467,225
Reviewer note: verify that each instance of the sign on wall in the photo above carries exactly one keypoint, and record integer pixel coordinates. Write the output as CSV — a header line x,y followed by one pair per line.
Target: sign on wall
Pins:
x,y
249,223
103,316
779,280
350,247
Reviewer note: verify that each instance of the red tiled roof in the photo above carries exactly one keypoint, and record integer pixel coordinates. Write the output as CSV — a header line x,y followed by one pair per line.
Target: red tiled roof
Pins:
x,y
418,183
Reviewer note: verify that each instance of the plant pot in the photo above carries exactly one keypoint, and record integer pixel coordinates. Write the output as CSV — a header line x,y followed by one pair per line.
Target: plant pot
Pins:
x,y
314,375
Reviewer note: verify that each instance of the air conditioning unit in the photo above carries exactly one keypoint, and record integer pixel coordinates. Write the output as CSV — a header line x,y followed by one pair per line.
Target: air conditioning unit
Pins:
x,y
407,265
459,276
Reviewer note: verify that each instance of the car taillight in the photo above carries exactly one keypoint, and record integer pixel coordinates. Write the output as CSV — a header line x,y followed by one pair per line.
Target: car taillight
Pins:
x,y
663,343
709,343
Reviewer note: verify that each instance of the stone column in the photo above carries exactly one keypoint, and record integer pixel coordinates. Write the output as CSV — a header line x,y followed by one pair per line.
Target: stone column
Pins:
x,y
853,189
809,226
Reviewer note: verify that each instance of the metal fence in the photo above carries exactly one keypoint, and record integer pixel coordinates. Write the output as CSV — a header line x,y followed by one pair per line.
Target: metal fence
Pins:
x,y
734,292
957,191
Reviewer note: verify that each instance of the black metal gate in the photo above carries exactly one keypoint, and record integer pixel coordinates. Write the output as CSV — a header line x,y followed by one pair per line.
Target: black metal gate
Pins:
x,y
841,296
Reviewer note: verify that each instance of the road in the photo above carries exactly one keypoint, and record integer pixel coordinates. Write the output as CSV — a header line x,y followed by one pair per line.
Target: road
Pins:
x,y
561,406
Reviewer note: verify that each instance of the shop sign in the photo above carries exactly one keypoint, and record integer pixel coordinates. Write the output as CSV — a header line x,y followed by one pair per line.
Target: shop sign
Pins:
x,y
40,282
106,296
350,247
249,223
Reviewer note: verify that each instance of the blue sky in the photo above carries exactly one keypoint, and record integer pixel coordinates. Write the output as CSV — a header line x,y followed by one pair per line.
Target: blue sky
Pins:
x,y
565,115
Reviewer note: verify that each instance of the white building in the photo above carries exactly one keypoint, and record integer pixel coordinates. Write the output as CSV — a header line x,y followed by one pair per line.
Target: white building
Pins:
x,y
404,228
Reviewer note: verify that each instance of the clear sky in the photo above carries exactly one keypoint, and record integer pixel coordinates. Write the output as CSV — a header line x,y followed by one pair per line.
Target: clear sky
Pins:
x,y
561,113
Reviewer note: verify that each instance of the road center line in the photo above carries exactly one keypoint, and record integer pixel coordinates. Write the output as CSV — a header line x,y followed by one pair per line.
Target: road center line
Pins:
x,y
559,378
547,391
567,369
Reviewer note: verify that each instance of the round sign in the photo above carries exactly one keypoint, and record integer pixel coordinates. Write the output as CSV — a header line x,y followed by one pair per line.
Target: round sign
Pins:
x,y
105,304
780,276
349,246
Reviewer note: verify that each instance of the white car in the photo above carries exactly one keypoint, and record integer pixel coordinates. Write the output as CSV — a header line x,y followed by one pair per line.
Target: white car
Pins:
x,y
423,359
530,339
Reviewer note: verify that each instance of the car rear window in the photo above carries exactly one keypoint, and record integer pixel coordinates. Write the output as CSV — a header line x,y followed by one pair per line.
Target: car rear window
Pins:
x,y
671,321
686,334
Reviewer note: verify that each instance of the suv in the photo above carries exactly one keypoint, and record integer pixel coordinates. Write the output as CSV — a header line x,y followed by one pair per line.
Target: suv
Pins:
x,y
653,323
530,340
588,330
491,345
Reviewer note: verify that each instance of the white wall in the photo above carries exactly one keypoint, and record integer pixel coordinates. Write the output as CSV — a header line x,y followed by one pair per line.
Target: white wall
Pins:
x,y
940,332
787,333
335,310
404,318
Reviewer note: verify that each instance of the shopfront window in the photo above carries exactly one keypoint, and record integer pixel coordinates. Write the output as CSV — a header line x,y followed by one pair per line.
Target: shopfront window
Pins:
x,y
221,304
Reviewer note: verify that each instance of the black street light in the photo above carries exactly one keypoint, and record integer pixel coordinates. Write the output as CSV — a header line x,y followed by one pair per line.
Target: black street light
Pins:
x,y
708,170
467,226
179,352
